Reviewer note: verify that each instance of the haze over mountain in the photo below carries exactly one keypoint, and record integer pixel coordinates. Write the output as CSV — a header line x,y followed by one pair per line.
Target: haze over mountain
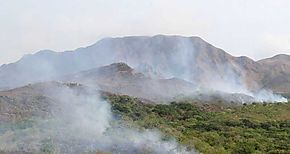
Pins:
x,y
278,79
188,58
119,78
82,101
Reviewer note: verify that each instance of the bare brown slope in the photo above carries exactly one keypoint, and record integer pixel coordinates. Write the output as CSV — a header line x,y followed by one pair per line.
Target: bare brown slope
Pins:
x,y
35,100
277,73
121,79
188,58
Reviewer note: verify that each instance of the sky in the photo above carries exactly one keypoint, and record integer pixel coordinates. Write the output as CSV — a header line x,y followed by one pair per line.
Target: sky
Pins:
x,y
254,28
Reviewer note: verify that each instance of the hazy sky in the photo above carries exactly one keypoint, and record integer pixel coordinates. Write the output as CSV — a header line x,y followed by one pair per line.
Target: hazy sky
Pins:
x,y
255,28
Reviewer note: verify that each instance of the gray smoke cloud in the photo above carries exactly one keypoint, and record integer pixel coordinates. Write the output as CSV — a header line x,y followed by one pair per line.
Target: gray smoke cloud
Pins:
x,y
81,122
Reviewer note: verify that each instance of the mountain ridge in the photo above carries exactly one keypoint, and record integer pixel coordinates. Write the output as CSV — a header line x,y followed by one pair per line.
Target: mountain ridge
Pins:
x,y
189,58
145,36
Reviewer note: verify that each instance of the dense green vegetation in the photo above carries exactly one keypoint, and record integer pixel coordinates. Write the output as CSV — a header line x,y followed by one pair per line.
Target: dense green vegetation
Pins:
x,y
208,128
255,128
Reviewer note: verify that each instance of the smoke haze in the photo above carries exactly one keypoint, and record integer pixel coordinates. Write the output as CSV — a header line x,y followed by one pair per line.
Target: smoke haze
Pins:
x,y
162,57
81,122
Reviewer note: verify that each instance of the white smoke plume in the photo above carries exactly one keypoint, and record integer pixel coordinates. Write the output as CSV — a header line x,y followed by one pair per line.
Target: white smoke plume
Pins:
x,y
268,96
81,122
231,82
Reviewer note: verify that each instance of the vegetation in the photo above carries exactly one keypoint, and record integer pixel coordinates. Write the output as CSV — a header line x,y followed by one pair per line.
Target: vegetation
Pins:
x,y
254,128
208,128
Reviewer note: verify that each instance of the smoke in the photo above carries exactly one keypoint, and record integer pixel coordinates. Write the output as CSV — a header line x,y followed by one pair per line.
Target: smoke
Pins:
x,y
231,82
81,122
187,58
206,67
268,96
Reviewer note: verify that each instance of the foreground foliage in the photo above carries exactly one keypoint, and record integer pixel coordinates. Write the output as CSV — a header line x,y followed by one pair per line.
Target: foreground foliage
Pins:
x,y
255,128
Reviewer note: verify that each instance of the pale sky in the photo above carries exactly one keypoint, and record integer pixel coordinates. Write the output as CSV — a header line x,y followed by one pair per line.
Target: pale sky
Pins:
x,y
255,28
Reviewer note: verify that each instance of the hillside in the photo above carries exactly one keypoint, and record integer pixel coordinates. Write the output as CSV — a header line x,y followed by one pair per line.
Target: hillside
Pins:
x,y
160,56
279,78
213,128
35,119
70,118
120,78
37,100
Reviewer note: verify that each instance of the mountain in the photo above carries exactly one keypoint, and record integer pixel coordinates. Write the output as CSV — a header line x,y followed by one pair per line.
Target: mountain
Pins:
x,y
120,78
188,58
43,99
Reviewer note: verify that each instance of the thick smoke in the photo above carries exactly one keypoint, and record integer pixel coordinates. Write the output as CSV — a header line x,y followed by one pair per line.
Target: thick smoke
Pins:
x,y
231,82
81,122
268,96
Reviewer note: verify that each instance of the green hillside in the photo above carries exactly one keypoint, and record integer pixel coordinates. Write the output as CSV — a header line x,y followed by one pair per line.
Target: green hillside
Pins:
x,y
255,128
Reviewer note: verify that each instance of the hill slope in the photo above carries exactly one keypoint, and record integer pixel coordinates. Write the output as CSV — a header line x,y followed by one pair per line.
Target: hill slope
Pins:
x,y
188,58
121,79
279,78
